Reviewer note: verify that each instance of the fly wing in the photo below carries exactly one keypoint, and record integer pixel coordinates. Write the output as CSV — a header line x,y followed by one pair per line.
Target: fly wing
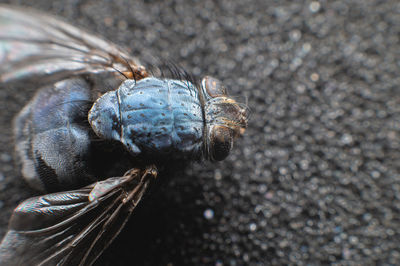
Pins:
x,y
34,45
73,227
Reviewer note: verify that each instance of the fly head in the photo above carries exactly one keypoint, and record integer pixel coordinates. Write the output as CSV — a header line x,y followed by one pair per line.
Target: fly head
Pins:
x,y
225,119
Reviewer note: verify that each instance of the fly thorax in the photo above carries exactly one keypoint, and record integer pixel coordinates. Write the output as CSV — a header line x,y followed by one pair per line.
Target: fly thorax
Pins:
x,y
151,117
104,116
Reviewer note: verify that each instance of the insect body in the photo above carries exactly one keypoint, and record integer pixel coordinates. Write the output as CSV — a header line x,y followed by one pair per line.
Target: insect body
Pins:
x,y
152,118
68,137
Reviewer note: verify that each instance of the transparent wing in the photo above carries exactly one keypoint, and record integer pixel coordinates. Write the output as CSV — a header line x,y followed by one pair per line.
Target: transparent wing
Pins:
x,y
73,227
34,45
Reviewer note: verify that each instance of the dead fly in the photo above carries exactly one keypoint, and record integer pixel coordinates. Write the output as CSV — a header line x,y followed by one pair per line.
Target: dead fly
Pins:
x,y
74,133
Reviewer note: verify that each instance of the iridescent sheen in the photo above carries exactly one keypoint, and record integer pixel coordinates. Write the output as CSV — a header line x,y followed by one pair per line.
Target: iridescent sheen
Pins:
x,y
152,118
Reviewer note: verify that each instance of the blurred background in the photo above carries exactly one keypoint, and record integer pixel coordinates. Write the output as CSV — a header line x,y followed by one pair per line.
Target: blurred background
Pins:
x,y
315,180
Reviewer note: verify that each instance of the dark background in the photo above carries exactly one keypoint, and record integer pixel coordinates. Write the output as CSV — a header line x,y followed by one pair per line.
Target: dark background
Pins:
x,y
315,179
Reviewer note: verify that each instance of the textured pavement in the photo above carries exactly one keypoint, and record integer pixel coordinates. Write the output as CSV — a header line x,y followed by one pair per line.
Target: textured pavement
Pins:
x,y
315,180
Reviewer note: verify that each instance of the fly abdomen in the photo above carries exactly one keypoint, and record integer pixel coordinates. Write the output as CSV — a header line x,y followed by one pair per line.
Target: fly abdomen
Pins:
x,y
52,137
152,118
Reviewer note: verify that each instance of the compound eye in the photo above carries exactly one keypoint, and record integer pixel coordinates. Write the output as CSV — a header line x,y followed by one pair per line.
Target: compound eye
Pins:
x,y
213,87
221,143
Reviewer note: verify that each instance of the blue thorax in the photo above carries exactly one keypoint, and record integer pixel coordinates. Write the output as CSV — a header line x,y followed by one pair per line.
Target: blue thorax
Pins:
x,y
152,117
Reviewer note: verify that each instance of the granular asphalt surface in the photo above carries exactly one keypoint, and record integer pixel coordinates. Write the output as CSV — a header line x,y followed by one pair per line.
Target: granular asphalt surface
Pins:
x,y
315,180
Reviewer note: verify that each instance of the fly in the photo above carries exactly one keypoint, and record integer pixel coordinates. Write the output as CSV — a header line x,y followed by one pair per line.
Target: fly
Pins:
x,y
75,140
